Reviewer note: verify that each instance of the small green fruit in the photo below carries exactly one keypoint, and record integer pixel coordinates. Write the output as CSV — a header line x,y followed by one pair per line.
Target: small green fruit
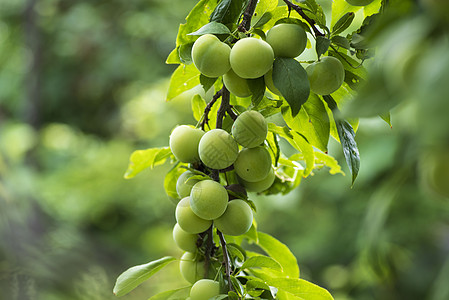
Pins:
x,y
208,199
287,40
218,149
236,220
184,240
184,142
253,164
259,186
251,58
236,85
188,220
184,185
326,75
204,289
193,269
250,129
211,56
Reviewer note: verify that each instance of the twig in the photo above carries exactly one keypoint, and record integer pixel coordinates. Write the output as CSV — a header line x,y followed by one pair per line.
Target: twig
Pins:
x,y
245,25
225,97
226,260
300,11
231,113
205,118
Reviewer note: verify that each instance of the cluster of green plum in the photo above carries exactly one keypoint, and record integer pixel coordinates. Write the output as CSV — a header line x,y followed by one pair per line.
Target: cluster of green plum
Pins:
x,y
251,58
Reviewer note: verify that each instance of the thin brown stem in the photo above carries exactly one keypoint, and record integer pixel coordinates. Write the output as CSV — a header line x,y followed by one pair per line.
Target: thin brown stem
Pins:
x,y
208,251
208,108
225,98
245,25
226,260
301,12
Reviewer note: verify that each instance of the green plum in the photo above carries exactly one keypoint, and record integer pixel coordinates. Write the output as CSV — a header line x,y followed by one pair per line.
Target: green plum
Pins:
x,y
184,240
188,220
192,269
218,149
208,199
359,2
236,85
253,164
326,75
184,185
250,129
237,218
259,186
184,142
204,289
287,40
251,58
268,78
211,56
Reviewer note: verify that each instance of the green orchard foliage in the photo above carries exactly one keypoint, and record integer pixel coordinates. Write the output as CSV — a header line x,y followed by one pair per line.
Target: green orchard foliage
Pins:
x,y
208,199
326,75
437,8
184,142
250,129
184,185
218,149
236,85
268,79
251,58
236,220
204,289
435,169
191,268
287,40
210,56
188,220
259,186
184,240
359,2
253,164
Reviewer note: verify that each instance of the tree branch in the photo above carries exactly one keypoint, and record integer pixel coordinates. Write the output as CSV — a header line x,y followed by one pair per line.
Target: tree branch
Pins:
x,y
209,107
301,12
225,98
245,25
226,260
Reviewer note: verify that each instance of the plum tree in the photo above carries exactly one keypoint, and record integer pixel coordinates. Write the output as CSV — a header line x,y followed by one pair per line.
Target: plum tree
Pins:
x,y
184,185
359,2
204,289
326,75
287,40
211,56
188,220
218,149
259,186
237,218
184,240
250,129
251,58
208,199
253,164
184,142
236,85
268,78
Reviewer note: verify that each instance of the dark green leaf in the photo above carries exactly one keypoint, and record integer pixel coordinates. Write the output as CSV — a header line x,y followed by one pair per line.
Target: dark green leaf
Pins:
x,y
219,297
228,11
236,251
233,295
220,11
263,20
212,28
261,261
185,53
322,44
273,144
341,42
257,88
290,78
134,276
237,285
207,82
260,33
170,182
300,288
343,23
143,159
167,294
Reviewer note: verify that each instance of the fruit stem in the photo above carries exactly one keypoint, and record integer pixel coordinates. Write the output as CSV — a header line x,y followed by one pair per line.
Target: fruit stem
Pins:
x,y
245,25
226,260
300,11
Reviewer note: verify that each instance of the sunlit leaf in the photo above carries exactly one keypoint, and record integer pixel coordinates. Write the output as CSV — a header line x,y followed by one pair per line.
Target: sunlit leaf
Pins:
x,y
261,261
212,28
167,294
198,106
183,79
143,159
300,288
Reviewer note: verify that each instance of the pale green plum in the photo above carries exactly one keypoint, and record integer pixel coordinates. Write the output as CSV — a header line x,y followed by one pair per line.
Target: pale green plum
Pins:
x,y
326,75
184,240
253,164
251,58
359,2
268,78
237,218
192,269
184,142
218,149
250,129
204,289
184,185
236,85
211,56
188,220
259,186
208,199
287,40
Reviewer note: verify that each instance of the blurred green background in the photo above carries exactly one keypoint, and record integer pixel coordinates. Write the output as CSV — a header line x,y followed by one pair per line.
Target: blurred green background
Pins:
x,y
83,84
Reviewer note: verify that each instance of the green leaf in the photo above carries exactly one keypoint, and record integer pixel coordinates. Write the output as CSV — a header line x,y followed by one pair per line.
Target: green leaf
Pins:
x,y
261,261
134,276
149,158
185,53
322,44
290,78
257,88
340,8
219,297
340,41
307,151
236,251
343,23
183,79
170,182
228,11
300,288
252,233
207,82
198,107
212,28
323,159
167,294
387,118
263,6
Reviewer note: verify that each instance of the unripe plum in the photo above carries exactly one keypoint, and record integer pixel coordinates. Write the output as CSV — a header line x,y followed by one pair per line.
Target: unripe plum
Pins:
x,y
253,164
236,85
184,185
184,142
218,149
259,186
211,56
204,289
250,129
268,78
326,75
287,40
191,269
359,2
208,199
237,218
251,58
184,240
188,220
